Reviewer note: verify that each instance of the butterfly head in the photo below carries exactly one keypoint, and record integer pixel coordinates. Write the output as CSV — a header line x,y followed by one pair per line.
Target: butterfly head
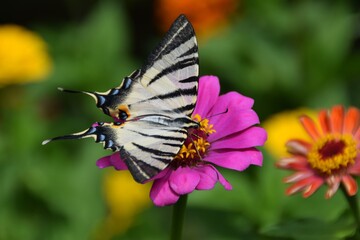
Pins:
x,y
110,102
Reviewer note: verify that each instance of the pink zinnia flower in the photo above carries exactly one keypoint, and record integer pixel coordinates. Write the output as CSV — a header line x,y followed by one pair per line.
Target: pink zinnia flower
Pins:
x,y
227,138
330,158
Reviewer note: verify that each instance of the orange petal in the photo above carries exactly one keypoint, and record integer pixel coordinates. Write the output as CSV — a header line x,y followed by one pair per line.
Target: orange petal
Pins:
x,y
350,185
310,127
298,176
334,183
312,188
294,163
337,118
352,119
324,122
299,186
297,146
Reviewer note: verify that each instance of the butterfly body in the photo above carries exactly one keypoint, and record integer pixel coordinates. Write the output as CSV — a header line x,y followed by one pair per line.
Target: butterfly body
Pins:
x,y
152,106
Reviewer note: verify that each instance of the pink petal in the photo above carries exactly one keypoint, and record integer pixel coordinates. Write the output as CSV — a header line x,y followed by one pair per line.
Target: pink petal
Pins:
x,y
184,180
235,120
103,162
251,137
223,181
112,160
209,89
161,174
161,193
208,177
237,160
231,99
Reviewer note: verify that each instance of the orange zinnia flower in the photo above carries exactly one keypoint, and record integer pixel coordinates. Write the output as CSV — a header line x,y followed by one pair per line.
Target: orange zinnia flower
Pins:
x,y
331,157
205,16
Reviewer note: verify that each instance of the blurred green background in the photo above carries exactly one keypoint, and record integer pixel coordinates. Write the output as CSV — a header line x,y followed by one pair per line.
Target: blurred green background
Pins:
x,y
285,54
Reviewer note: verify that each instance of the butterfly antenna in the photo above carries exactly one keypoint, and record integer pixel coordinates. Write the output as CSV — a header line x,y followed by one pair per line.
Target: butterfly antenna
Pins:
x,y
217,114
195,135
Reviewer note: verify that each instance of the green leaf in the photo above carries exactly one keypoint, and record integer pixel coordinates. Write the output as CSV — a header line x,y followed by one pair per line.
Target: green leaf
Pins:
x,y
312,229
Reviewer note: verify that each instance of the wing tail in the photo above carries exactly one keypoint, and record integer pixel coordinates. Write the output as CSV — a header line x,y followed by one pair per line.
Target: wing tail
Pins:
x,y
102,133
100,98
90,132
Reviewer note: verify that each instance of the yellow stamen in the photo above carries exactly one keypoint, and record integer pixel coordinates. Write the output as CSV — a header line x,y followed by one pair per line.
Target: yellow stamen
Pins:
x,y
186,152
332,153
204,124
196,149
202,145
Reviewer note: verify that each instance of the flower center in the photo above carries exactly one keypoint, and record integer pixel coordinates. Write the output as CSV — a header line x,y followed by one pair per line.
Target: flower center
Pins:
x,y
195,146
333,153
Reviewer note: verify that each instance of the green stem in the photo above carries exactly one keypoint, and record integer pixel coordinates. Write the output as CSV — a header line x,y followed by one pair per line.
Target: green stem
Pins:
x,y
354,208
178,218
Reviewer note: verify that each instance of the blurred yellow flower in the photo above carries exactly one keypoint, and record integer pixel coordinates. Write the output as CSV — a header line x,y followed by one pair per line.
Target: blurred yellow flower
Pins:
x,y
125,199
23,56
284,126
205,16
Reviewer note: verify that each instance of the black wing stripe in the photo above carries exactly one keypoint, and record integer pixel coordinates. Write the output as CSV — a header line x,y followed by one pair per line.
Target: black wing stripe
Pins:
x,y
172,144
178,130
192,50
179,92
154,151
141,170
189,79
175,43
182,109
174,94
180,32
160,136
179,65
163,160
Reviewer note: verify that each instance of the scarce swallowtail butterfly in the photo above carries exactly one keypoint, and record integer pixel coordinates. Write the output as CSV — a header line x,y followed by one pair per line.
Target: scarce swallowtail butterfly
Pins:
x,y
152,106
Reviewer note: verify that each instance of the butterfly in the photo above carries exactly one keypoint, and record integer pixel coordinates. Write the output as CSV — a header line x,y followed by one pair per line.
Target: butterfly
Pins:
x,y
152,106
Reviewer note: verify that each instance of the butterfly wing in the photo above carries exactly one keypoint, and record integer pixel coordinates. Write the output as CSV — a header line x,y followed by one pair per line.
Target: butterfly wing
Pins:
x,y
147,146
172,70
168,82
154,104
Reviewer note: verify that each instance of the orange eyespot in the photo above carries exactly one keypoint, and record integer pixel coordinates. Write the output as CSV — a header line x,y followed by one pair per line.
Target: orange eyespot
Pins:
x,y
123,112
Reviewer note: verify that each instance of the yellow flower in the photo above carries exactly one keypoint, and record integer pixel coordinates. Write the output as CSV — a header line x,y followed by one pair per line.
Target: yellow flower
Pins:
x,y
284,126
23,56
206,16
125,199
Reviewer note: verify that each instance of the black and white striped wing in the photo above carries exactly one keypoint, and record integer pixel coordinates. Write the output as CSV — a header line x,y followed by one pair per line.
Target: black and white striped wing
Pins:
x,y
168,82
172,70
147,146
154,105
